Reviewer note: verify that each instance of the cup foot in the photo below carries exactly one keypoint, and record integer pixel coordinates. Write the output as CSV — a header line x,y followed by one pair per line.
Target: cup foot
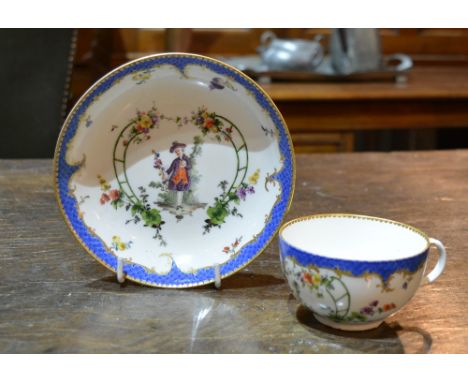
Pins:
x,y
347,326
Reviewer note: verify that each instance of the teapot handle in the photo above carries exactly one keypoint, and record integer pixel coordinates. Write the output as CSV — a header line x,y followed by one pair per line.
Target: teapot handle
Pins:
x,y
266,39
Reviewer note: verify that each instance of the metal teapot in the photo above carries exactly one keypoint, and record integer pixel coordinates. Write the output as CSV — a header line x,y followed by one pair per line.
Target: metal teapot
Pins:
x,y
290,54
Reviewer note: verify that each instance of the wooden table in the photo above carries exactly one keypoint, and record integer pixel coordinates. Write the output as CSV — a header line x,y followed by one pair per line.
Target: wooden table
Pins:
x,y
325,116
56,298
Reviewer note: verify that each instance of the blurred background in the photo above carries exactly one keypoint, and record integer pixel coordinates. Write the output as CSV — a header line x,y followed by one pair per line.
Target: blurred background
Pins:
x,y
362,90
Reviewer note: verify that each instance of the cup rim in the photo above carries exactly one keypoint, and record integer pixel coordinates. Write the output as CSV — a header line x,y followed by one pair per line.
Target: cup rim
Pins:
x,y
354,216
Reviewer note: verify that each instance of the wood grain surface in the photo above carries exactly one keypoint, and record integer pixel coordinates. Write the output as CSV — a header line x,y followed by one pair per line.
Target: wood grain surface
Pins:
x,y
423,83
433,97
54,298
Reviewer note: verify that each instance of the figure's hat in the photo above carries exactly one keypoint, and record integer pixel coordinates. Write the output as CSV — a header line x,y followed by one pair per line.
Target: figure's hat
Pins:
x,y
175,145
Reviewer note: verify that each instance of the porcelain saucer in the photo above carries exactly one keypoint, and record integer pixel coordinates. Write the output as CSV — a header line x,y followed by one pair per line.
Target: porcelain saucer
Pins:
x,y
177,163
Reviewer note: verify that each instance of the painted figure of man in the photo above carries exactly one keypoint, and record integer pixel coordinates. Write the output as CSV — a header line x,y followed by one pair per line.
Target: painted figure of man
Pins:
x,y
179,172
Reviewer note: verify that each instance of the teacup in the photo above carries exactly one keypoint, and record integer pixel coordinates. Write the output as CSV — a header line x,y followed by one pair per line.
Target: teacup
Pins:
x,y
353,271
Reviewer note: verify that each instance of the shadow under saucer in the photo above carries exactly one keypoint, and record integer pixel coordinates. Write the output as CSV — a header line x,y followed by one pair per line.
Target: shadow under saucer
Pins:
x,y
110,282
238,280
242,280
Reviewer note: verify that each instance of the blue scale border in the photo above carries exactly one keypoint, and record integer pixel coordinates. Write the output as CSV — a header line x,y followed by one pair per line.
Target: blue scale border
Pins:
x,y
175,278
356,268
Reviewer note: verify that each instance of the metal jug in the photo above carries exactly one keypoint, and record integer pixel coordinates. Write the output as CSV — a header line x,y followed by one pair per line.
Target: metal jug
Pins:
x,y
290,54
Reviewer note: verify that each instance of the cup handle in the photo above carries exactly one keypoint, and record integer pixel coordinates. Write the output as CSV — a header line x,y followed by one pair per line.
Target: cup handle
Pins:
x,y
439,267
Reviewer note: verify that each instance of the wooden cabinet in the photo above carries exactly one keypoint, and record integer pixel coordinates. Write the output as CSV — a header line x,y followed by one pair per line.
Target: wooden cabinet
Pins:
x,y
322,117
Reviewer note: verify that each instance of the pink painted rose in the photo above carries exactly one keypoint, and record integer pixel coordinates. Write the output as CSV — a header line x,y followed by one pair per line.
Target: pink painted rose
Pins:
x,y
104,199
114,195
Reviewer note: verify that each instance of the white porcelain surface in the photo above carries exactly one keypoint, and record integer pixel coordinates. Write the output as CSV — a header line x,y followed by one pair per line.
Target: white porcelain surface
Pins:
x,y
355,303
354,239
